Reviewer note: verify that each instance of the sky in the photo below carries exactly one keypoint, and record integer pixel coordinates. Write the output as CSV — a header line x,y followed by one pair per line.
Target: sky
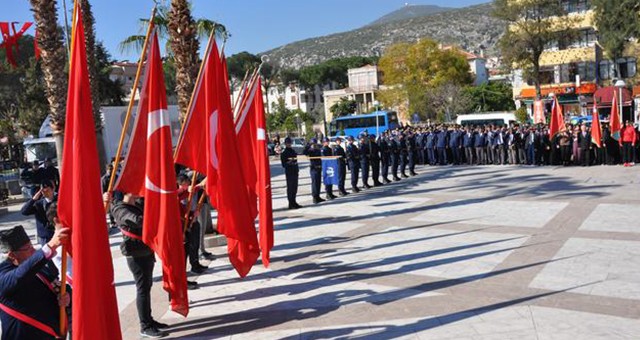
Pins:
x,y
255,25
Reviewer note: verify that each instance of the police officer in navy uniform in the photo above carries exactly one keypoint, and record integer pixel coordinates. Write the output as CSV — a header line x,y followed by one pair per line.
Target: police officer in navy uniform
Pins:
x,y
365,159
326,151
374,152
403,148
312,150
29,288
338,150
289,160
353,159
394,148
385,156
412,152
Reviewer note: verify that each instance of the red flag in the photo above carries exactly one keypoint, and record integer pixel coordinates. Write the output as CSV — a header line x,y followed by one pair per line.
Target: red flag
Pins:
x,y
596,130
95,308
151,145
614,120
246,131
264,179
557,119
8,42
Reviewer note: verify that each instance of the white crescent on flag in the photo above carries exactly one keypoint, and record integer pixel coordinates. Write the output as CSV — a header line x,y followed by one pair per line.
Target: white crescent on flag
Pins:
x,y
157,120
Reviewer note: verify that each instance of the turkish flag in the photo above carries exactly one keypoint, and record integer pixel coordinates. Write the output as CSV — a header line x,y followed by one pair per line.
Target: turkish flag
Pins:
x,y
251,129
80,207
557,119
614,120
596,130
148,171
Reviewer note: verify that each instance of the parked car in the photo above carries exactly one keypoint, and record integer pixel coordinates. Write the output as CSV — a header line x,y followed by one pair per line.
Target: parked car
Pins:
x,y
297,144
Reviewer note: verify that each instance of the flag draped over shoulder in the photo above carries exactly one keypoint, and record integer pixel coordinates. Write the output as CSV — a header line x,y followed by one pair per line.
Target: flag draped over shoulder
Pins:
x,y
614,120
596,130
149,171
95,308
557,119
251,130
210,116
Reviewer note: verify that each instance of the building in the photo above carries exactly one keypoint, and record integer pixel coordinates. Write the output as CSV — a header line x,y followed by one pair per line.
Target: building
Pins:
x,y
477,64
125,73
363,83
574,70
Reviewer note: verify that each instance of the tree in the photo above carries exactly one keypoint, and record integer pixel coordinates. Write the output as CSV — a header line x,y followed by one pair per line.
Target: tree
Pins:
x,y
92,62
447,101
32,106
414,70
618,22
492,96
108,92
521,114
531,26
183,34
269,75
54,62
343,107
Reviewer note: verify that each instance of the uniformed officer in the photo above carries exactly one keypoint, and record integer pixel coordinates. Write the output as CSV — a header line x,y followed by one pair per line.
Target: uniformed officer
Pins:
x,y
353,159
394,148
29,287
312,150
365,158
374,160
289,160
411,152
338,150
403,148
326,151
385,157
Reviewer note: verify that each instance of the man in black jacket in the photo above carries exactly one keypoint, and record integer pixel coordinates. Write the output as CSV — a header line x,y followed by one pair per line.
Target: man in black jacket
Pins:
x,y
128,214
289,160
584,144
38,206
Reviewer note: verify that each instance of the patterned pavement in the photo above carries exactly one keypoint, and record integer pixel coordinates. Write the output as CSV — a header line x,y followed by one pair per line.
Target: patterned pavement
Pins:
x,y
494,252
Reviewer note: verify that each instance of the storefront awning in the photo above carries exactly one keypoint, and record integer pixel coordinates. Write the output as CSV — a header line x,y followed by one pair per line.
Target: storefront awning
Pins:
x,y
604,96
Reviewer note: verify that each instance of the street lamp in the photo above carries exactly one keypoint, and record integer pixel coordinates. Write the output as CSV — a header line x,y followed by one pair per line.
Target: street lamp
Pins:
x,y
620,84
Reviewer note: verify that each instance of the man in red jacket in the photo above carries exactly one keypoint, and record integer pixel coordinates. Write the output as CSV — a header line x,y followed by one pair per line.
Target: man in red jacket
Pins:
x,y
628,142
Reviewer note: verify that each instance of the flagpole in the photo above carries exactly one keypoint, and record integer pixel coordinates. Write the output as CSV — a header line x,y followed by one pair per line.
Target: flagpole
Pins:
x,y
241,92
253,80
125,125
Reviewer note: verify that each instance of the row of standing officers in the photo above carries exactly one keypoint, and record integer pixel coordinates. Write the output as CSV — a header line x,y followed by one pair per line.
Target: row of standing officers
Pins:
x,y
371,158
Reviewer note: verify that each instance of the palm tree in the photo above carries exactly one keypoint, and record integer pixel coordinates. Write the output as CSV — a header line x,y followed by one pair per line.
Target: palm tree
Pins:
x,y
182,33
53,55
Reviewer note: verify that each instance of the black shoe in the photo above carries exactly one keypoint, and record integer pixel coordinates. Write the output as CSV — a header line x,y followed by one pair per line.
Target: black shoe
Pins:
x,y
297,206
198,269
355,189
377,184
414,174
386,181
367,186
153,333
191,285
404,176
329,198
159,325
207,256
333,196
293,206
396,179
318,200
344,193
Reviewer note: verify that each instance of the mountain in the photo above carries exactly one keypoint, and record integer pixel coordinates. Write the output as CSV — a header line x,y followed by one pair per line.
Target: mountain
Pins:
x,y
467,27
410,12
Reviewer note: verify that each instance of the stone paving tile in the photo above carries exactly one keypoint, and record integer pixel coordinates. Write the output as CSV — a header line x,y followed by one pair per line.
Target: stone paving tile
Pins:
x,y
496,212
614,218
608,268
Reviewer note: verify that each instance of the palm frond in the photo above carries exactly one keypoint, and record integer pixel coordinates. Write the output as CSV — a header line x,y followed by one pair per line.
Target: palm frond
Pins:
x,y
206,26
134,42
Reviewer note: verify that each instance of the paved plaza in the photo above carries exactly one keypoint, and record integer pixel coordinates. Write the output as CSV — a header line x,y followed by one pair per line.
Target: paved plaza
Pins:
x,y
496,252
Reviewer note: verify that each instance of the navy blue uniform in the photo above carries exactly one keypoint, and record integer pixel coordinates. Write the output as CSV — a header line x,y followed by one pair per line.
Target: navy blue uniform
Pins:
x,y
385,158
430,146
441,144
315,170
394,148
454,145
412,154
374,158
22,289
327,152
365,158
39,209
353,159
403,148
338,150
289,160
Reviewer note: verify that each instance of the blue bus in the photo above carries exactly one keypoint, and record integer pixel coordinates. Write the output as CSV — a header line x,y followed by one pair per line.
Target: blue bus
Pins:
x,y
373,123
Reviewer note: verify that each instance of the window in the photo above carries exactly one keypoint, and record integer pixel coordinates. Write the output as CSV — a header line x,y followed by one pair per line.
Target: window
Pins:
x,y
575,6
547,75
628,68
587,71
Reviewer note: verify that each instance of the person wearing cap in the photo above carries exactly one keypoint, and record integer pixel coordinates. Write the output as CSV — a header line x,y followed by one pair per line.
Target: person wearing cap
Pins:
x,y
385,156
37,206
338,150
30,298
365,158
50,173
326,151
353,159
394,149
374,157
289,160
403,147
312,150
31,178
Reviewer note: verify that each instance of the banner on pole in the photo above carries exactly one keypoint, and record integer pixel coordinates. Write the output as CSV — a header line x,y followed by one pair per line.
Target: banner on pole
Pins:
x,y
330,171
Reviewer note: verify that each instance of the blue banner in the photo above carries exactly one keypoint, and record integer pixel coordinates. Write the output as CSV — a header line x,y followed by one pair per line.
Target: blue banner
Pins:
x,y
330,171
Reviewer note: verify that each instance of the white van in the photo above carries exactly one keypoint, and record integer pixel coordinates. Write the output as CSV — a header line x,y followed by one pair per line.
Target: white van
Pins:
x,y
487,118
